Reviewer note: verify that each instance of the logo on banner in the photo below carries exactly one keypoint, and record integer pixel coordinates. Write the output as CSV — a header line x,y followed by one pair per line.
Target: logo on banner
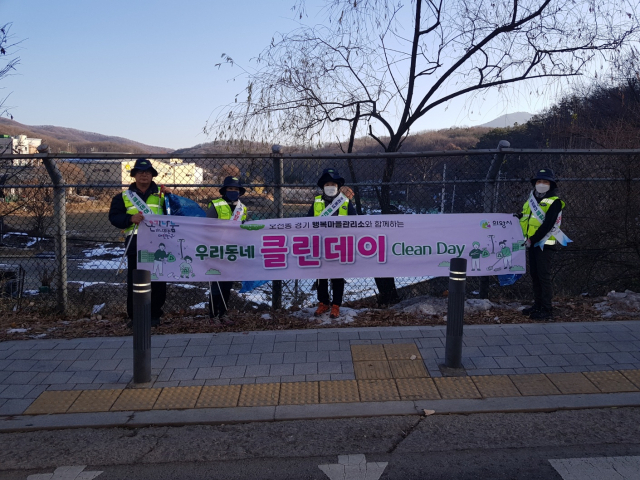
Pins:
x,y
485,224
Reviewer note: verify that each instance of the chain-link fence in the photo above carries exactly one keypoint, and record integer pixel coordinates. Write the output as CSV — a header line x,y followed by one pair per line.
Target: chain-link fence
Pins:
x,y
59,249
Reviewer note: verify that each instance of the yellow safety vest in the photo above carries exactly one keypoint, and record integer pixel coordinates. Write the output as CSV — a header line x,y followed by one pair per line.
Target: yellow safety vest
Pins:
x,y
224,210
530,223
319,206
155,203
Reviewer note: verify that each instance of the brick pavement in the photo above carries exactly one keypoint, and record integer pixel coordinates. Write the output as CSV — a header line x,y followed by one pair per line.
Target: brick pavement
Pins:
x,y
28,368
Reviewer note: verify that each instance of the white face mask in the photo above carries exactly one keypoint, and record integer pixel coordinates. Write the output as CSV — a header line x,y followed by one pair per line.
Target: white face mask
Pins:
x,y
542,188
331,191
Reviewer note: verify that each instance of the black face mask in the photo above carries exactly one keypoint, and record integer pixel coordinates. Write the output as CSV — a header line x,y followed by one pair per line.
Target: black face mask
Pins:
x,y
232,196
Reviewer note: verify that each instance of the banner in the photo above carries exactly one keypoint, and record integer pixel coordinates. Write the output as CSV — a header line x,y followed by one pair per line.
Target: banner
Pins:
x,y
179,249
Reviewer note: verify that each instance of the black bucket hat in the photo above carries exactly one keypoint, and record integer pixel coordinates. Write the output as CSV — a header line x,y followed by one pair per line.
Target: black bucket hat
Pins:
x,y
545,174
330,175
231,182
141,165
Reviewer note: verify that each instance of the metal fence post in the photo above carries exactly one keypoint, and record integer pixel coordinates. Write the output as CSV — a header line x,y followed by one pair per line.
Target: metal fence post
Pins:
x,y
60,225
278,200
455,313
488,199
141,326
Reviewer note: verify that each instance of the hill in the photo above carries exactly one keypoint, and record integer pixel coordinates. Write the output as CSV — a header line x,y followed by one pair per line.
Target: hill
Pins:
x,y
62,139
430,140
508,120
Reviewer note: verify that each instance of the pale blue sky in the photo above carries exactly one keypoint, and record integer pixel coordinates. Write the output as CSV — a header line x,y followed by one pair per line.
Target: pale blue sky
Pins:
x,y
145,70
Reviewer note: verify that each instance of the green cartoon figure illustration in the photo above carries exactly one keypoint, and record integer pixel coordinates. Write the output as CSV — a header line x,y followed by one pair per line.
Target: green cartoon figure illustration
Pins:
x,y
186,270
475,255
505,254
159,259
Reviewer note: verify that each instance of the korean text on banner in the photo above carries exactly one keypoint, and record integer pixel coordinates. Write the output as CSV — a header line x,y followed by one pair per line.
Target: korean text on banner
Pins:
x,y
209,249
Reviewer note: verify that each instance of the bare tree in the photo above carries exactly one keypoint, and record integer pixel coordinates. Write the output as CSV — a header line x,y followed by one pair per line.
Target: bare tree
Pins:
x,y
8,60
380,66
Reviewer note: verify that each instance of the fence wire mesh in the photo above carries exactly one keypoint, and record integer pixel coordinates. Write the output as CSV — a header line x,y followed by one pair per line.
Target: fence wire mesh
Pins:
x,y
601,189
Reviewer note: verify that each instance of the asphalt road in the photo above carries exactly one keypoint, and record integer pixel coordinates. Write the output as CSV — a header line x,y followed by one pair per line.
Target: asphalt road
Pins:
x,y
482,446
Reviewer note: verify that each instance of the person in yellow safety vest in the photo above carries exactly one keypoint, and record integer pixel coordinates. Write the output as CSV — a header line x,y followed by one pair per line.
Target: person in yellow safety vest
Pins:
x,y
330,182
546,197
224,208
124,215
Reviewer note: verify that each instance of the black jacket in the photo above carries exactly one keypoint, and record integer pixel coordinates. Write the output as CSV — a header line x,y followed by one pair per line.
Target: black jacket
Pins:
x,y
119,217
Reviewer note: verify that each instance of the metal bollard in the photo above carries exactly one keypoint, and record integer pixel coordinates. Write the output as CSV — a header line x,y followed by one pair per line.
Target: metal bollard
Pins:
x,y
141,326
455,314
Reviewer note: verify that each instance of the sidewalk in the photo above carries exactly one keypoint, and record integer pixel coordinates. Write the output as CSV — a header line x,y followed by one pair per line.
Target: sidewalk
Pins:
x,y
317,374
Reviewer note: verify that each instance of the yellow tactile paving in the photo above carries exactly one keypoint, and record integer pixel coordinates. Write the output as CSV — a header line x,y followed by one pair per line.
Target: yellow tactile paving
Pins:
x,y
401,351
611,382
177,398
408,368
53,401
372,370
456,387
137,399
495,386
259,395
378,390
339,391
342,391
417,389
360,353
94,401
536,384
299,393
633,376
571,383
219,396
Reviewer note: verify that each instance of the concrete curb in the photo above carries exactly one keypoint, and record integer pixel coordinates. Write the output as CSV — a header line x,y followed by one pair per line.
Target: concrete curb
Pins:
x,y
216,416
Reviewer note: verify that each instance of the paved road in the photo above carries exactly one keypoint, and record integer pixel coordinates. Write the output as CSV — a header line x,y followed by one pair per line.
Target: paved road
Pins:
x,y
481,446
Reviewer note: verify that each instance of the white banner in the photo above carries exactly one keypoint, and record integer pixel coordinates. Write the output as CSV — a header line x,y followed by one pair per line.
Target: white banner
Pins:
x,y
209,249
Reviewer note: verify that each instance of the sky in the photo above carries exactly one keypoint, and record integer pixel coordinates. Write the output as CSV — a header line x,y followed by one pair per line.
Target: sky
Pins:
x,y
145,70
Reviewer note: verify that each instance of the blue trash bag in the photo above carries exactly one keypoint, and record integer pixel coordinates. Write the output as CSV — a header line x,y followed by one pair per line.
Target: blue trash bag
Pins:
x,y
182,207
509,279
250,285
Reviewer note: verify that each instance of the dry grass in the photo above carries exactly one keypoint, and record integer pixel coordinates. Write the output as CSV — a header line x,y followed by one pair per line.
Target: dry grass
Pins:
x,y
58,326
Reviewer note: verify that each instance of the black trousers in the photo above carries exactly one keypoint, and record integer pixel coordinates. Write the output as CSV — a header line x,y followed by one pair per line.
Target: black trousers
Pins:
x,y
540,262
387,291
158,289
219,298
337,285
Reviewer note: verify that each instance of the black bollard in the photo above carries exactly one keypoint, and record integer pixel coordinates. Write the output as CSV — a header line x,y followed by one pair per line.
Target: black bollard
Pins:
x,y
455,314
141,326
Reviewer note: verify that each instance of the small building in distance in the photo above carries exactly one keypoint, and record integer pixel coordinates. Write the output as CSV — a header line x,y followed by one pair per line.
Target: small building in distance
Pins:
x,y
20,145
118,171
175,172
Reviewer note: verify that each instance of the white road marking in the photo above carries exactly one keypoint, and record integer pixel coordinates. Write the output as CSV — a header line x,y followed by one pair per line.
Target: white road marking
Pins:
x,y
353,467
74,472
599,468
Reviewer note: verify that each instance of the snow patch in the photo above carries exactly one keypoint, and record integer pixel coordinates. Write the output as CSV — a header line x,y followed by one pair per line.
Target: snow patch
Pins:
x,y
347,315
427,305
97,308
619,303
103,265
102,250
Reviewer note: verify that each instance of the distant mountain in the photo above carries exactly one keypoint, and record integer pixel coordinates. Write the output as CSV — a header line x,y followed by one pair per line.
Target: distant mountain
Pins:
x,y
508,120
76,141
455,138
